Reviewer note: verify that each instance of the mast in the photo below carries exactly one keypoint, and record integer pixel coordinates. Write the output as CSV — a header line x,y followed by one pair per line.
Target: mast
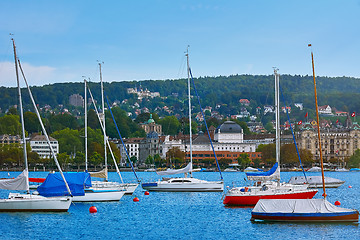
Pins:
x,y
189,98
86,137
318,124
103,117
277,117
44,130
21,117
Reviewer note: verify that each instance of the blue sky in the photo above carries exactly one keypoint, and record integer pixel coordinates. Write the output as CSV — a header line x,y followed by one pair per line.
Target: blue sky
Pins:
x,y
61,41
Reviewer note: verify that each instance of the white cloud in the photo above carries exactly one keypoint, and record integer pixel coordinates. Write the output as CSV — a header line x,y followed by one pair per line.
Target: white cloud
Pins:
x,y
35,75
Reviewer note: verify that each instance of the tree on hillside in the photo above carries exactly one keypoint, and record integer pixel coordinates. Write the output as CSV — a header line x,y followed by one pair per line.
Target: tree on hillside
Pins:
x,y
269,154
79,159
354,161
127,127
61,121
32,124
10,124
93,121
170,125
69,141
12,111
96,160
175,155
244,160
224,162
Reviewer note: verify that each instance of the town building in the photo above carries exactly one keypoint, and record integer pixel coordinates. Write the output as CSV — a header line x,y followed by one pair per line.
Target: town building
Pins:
x,y
141,93
132,146
76,100
39,144
227,139
6,139
336,143
325,110
150,146
244,102
151,126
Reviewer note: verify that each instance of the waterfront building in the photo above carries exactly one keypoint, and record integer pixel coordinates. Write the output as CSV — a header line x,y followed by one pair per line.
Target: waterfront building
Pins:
x,y
336,143
133,148
39,144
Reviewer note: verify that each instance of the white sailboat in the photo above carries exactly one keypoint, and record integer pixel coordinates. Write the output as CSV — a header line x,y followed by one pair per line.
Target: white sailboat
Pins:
x,y
129,187
17,202
97,192
185,184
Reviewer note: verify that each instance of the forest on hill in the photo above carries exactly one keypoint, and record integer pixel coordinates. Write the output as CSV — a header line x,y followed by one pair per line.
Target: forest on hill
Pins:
x,y
224,91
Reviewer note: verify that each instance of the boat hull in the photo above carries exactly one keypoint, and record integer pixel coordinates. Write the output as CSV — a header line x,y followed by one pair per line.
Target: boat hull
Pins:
x,y
128,187
100,195
306,217
251,200
164,186
34,203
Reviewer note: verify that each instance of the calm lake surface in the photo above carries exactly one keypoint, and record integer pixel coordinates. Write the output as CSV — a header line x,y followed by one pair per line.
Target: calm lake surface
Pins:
x,y
176,215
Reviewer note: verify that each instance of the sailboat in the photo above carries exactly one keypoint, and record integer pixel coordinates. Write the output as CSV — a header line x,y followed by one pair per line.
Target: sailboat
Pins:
x,y
17,202
186,183
265,187
95,192
304,210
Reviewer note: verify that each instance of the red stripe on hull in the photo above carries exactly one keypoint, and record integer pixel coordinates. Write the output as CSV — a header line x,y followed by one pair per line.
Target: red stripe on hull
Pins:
x,y
346,218
251,200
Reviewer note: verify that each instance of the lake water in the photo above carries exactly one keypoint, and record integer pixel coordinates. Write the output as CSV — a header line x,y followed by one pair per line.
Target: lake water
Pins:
x,y
176,215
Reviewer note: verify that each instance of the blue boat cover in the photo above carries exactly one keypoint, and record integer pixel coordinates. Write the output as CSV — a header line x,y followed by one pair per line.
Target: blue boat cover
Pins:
x,y
267,173
54,185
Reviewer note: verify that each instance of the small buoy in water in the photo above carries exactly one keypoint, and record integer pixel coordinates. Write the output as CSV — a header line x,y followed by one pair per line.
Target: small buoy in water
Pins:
x,y
350,186
146,193
93,209
337,203
136,199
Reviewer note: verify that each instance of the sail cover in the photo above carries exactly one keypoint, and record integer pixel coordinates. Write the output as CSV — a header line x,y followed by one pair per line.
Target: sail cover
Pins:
x,y
54,184
101,174
186,169
18,183
273,173
297,206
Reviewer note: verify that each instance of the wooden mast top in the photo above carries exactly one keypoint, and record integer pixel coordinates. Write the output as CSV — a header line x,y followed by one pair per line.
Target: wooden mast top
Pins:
x,y
318,125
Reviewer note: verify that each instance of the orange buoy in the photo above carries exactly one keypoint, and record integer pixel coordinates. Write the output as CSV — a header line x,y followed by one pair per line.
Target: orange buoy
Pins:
x,y
93,209
146,193
350,186
337,203
136,199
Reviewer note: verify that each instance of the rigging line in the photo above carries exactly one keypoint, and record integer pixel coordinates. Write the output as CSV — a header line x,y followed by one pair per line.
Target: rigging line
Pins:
x,y
292,132
44,130
207,129
181,67
127,154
